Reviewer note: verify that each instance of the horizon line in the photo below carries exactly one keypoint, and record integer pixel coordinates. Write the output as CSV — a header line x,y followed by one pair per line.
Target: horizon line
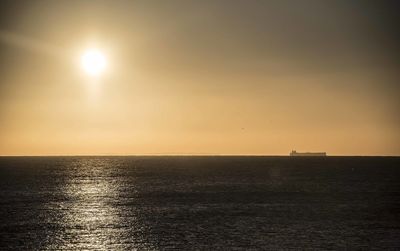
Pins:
x,y
189,155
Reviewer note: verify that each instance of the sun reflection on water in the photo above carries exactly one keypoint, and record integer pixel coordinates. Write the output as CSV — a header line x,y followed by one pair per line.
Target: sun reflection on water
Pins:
x,y
91,216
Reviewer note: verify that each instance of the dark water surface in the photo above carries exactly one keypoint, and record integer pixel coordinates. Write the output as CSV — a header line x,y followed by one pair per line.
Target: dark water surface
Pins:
x,y
153,203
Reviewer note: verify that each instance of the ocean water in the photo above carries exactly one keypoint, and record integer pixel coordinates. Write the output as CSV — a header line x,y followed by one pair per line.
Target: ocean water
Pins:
x,y
199,203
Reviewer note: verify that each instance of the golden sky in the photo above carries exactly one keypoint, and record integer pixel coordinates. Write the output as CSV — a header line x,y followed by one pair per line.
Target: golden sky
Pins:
x,y
200,77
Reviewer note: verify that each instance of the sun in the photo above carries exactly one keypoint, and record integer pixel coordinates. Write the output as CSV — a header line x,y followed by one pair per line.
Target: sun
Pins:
x,y
93,62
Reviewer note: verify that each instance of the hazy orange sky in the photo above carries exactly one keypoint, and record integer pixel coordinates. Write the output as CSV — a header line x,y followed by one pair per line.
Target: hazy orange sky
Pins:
x,y
200,77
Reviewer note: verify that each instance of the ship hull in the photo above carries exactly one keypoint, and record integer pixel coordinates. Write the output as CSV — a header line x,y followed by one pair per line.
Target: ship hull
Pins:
x,y
321,154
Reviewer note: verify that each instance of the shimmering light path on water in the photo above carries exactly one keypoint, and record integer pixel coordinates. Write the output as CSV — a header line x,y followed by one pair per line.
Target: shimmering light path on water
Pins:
x,y
150,203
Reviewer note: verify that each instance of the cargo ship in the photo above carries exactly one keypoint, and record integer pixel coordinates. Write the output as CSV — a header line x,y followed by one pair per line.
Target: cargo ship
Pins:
x,y
318,154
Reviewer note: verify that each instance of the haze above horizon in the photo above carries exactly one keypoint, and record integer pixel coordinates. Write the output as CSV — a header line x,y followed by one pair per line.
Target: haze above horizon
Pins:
x,y
199,77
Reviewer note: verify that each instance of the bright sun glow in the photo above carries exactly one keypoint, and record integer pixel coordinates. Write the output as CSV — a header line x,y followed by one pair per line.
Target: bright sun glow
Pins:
x,y
93,62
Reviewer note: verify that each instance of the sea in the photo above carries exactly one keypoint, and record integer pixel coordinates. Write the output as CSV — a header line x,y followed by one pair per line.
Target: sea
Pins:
x,y
199,203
